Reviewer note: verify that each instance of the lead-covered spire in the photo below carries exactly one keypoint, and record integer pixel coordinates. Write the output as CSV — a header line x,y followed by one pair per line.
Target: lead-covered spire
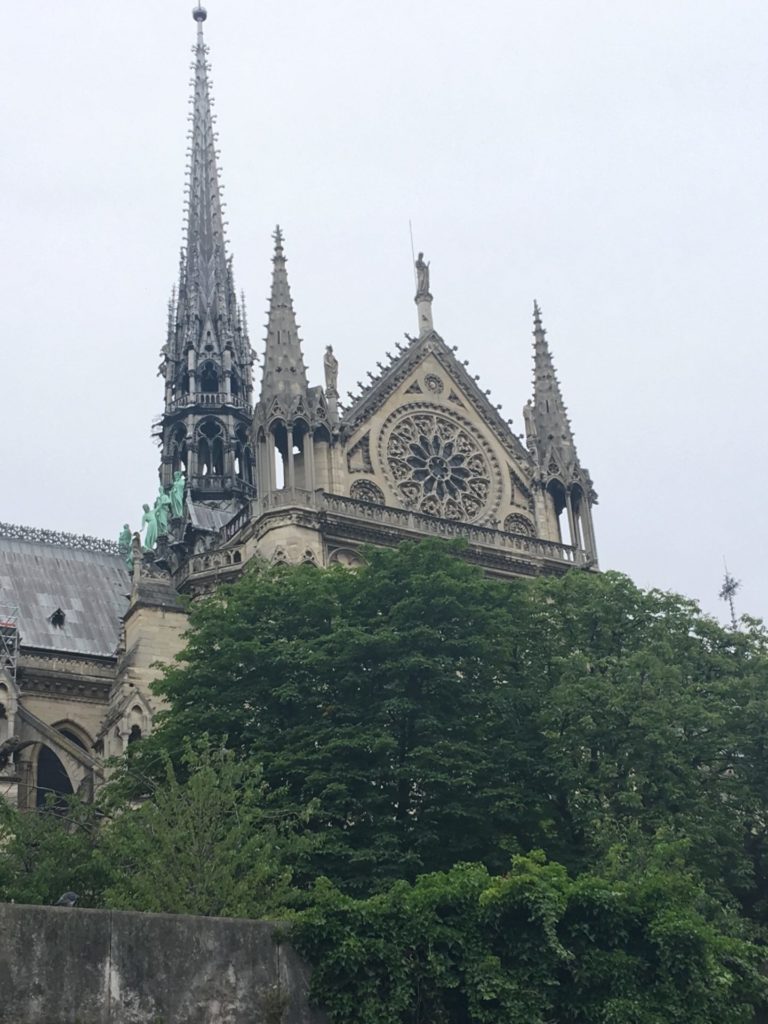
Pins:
x,y
207,273
207,357
285,375
208,316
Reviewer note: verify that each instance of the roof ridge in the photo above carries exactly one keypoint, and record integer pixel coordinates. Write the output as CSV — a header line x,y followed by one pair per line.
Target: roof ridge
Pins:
x,y
75,541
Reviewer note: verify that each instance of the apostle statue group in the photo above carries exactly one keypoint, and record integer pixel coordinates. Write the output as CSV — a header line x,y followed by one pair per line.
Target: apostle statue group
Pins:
x,y
169,504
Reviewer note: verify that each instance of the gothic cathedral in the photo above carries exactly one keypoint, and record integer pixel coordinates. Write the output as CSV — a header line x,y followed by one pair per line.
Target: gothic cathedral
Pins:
x,y
276,469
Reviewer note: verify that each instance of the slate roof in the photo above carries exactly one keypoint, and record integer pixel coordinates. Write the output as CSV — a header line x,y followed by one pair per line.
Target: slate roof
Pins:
x,y
41,572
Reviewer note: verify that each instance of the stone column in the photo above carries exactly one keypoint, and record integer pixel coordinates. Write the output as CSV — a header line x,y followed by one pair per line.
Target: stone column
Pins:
x,y
291,481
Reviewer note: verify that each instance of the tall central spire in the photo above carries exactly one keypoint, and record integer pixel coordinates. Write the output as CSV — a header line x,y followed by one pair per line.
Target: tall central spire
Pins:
x,y
209,290
207,356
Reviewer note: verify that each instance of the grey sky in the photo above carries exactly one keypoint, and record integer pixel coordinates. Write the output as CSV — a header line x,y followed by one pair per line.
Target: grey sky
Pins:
x,y
607,158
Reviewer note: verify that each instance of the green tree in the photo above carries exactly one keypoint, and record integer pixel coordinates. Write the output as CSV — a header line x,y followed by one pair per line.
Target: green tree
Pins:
x,y
531,947
434,716
210,844
50,852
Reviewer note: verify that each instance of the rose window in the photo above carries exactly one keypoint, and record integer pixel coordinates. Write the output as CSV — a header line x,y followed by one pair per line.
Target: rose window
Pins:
x,y
438,467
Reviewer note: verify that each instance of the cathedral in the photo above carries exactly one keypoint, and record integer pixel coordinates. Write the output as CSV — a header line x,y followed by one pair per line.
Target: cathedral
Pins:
x,y
265,465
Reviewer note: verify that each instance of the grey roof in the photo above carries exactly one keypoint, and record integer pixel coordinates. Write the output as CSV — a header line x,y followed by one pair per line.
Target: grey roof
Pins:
x,y
42,572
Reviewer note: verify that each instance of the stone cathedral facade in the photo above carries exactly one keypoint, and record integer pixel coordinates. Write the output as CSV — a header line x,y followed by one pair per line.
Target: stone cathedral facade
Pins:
x,y
278,469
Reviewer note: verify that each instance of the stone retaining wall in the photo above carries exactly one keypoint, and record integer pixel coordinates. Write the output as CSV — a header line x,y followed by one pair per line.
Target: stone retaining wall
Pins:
x,y
61,966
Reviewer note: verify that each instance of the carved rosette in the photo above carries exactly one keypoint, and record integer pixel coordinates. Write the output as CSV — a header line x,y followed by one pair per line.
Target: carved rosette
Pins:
x,y
437,464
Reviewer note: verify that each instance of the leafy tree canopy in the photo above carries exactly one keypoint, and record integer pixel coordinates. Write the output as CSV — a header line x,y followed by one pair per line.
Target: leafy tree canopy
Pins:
x,y
533,946
432,715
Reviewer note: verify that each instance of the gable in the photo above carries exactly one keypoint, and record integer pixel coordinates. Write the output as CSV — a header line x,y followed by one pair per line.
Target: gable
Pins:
x,y
426,438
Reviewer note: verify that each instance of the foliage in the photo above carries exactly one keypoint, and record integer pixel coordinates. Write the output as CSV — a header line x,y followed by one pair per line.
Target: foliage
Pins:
x,y
48,853
530,947
211,844
437,716
406,729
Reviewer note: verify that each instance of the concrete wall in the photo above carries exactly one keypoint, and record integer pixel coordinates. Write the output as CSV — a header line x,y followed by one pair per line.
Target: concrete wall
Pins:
x,y
60,966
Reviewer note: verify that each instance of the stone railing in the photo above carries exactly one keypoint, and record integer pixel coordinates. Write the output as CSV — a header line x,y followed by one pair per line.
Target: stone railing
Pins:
x,y
212,398
403,520
417,522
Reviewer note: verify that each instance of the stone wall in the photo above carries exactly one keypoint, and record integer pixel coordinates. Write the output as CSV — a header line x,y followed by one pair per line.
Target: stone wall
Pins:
x,y
61,966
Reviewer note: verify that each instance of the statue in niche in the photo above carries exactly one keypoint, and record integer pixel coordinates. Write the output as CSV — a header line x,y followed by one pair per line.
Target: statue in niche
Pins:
x,y
331,366
177,494
124,546
422,276
149,519
162,504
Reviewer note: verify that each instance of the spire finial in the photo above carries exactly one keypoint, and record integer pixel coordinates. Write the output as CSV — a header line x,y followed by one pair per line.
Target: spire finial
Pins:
x,y
277,235
199,13
537,316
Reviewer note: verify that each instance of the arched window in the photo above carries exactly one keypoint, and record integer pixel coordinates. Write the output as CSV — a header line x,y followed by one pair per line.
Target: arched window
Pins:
x,y
210,452
577,508
179,449
243,457
74,734
52,779
209,378
557,494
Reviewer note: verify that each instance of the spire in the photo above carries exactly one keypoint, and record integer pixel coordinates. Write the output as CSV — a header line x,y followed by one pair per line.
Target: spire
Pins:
x,y
547,418
206,320
284,371
207,357
207,299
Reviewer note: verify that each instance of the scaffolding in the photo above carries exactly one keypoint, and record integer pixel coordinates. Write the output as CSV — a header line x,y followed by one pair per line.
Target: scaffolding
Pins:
x,y
9,641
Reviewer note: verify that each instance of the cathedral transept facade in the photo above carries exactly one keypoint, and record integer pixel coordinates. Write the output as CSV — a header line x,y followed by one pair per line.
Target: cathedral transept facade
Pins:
x,y
266,465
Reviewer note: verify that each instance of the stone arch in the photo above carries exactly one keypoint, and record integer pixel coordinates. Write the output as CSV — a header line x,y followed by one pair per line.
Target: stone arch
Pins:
x,y
518,523
209,377
52,780
75,734
367,490
210,448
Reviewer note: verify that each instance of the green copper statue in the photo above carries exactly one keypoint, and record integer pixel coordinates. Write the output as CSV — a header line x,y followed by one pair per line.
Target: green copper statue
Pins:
x,y
124,546
177,494
150,519
162,504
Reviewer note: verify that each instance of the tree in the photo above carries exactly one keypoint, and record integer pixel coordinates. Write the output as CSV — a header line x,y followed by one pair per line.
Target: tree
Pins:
x,y
49,852
530,947
211,844
375,693
433,715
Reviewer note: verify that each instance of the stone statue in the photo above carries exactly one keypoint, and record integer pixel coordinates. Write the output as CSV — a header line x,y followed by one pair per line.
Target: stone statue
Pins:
x,y
530,426
162,504
124,546
10,748
422,276
331,365
150,520
177,494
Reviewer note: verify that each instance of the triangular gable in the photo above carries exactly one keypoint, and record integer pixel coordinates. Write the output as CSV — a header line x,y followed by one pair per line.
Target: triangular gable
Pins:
x,y
463,391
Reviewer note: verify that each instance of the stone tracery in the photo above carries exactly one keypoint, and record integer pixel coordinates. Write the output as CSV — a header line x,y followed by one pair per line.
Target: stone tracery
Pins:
x,y
438,465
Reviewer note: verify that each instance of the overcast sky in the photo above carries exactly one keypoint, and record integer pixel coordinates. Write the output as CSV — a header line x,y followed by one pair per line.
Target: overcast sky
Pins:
x,y
607,158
